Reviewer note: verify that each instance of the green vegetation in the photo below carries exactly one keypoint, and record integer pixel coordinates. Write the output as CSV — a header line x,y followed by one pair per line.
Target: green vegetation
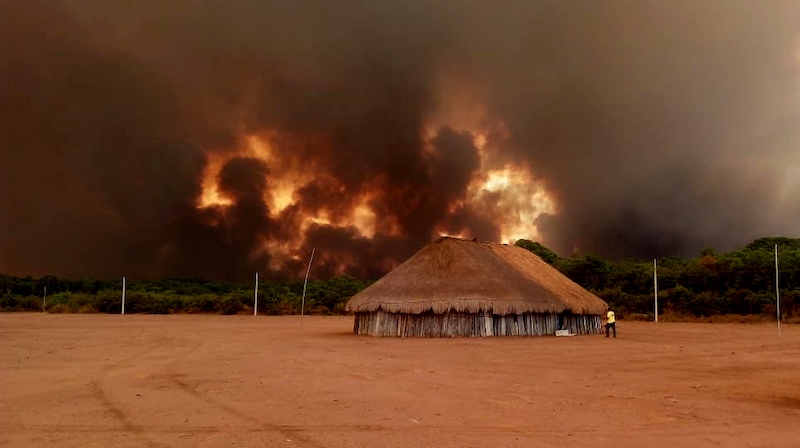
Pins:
x,y
740,282
175,296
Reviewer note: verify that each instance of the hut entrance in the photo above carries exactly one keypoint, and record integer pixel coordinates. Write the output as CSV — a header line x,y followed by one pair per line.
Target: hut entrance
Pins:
x,y
560,321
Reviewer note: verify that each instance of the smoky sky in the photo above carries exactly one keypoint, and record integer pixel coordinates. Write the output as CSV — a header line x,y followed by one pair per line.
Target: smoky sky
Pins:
x,y
657,127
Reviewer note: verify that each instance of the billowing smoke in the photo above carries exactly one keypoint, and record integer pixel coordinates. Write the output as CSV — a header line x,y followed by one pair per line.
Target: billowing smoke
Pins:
x,y
202,139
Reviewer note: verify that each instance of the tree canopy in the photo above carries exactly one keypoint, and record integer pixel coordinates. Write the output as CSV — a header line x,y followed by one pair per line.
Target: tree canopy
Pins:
x,y
738,282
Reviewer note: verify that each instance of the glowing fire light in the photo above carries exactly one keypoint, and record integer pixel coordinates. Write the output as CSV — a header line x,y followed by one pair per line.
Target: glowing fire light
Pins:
x,y
506,193
364,220
211,195
284,181
517,199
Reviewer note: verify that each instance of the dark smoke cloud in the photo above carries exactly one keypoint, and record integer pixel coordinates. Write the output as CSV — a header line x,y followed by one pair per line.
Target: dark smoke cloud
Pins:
x,y
659,127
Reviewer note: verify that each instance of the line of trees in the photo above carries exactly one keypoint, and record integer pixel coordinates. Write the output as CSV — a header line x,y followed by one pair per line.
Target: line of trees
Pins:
x,y
740,282
174,296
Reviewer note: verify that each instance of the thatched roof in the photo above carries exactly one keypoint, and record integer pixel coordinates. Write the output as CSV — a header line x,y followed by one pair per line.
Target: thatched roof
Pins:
x,y
469,276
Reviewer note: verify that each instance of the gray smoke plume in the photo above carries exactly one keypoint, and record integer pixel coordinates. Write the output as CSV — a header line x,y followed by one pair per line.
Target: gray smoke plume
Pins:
x,y
657,127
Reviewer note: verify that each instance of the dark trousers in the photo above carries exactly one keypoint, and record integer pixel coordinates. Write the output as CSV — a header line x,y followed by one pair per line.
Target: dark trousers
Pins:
x,y
612,326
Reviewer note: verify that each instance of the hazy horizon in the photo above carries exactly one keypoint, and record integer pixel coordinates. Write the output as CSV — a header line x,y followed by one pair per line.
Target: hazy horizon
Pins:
x,y
176,139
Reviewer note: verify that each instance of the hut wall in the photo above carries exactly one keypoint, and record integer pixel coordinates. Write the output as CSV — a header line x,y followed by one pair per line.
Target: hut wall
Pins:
x,y
381,323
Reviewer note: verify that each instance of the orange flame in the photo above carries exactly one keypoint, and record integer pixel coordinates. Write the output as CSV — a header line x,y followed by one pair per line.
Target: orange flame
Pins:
x,y
506,193
211,196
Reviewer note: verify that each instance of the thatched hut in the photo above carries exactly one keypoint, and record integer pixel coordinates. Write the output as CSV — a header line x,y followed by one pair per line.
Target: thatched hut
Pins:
x,y
455,287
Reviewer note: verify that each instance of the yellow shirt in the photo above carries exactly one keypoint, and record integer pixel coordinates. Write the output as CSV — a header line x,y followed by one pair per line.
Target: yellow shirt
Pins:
x,y
610,317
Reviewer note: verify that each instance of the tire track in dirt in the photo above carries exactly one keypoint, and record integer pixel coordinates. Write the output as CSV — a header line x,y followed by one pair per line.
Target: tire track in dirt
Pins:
x,y
100,394
294,433
120,415
291,432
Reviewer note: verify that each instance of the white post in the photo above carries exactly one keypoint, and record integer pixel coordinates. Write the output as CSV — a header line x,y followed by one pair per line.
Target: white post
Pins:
x,y
44,300
123,295
777,292
655,286
303,303
255,294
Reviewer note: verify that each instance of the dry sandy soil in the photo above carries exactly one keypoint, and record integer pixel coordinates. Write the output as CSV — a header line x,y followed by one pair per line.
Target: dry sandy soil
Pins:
x,y
214,381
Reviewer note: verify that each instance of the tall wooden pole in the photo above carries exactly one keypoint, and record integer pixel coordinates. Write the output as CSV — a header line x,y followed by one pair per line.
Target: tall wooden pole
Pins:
x,y
777,292
255,298
303,302
655,286
123,295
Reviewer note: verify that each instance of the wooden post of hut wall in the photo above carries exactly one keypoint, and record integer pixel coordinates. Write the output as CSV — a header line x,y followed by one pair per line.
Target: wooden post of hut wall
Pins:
x,y
381,323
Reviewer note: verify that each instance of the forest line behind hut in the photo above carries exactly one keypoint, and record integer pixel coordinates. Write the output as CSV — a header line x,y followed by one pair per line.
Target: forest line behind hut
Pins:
x,y
736,283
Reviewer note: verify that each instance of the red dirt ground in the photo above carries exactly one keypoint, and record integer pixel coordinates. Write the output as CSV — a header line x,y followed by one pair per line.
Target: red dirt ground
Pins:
x,y
211,381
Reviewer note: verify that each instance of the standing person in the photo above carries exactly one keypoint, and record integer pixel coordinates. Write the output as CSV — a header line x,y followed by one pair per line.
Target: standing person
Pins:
x,y
611,323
